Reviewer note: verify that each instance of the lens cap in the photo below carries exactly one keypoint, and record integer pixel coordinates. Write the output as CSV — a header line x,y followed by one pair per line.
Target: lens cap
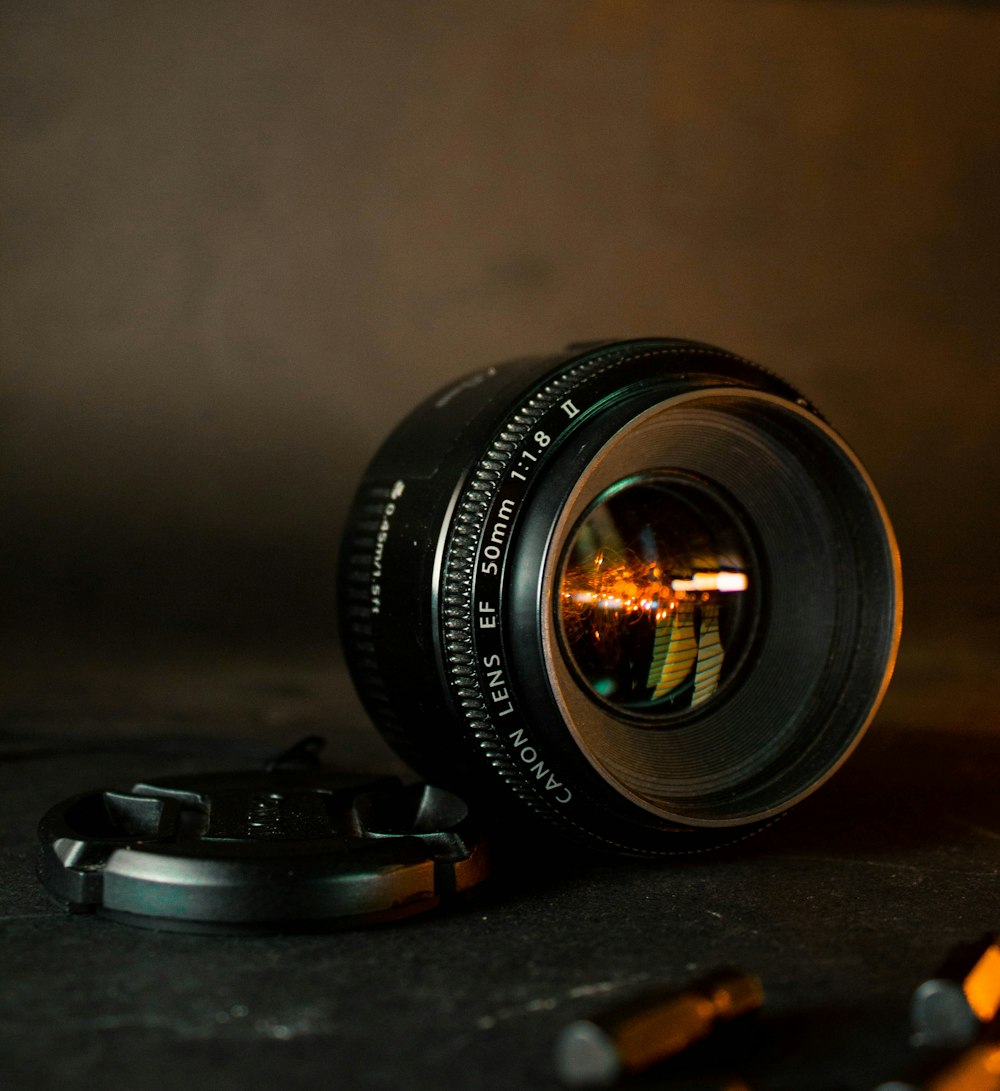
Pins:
x,y
280,849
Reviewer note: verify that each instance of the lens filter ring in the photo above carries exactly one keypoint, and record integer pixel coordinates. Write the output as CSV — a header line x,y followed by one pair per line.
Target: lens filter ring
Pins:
x,y
828,573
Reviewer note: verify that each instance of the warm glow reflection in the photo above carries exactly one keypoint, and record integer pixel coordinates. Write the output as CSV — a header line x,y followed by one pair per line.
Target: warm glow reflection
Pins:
x,y
640,589
621,604
712,581
653,590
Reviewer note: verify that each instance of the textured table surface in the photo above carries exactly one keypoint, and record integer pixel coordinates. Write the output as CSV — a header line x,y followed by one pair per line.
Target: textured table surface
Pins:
x,y
841,909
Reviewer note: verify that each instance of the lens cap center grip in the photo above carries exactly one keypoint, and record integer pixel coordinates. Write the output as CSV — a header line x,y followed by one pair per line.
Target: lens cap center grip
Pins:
x,y
281,850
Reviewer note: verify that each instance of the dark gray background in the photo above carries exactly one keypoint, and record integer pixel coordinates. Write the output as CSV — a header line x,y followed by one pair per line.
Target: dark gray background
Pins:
x,y
242,239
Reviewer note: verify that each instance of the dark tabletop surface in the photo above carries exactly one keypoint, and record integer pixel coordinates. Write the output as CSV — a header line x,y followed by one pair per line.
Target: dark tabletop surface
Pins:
x,y
841,908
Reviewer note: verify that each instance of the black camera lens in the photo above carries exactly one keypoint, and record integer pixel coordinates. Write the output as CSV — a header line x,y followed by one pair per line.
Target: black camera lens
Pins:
x,y
640,593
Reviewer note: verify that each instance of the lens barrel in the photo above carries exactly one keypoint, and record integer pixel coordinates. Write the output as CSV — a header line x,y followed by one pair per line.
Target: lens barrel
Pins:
x,y
639,592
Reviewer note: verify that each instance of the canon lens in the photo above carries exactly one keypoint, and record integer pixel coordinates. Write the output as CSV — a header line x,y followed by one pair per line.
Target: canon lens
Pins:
x,y
639,592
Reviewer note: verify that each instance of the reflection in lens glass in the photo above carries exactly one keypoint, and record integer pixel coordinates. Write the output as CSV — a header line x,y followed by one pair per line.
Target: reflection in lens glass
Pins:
x,y
656,600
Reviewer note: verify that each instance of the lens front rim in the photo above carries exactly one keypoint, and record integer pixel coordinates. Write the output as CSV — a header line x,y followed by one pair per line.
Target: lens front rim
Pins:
x,y
753,789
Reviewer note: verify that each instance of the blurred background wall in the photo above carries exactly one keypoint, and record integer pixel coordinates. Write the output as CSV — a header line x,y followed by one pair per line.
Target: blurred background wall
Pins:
x,y
241,239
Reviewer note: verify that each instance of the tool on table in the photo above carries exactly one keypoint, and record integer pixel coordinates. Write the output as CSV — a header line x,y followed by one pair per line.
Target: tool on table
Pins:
x,y
953,1007
630,1038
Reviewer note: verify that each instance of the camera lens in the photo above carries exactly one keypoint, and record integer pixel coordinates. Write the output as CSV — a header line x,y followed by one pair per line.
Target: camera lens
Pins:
x,y
639,593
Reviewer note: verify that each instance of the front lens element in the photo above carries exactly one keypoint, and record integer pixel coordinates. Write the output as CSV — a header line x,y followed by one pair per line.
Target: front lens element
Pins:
x,y
657,596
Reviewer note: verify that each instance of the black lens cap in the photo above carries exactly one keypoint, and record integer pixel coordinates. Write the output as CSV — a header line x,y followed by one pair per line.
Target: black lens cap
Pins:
x,y
280,849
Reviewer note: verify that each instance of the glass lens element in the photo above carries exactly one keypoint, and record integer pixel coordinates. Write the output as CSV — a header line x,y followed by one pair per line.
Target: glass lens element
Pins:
x,y
657,600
